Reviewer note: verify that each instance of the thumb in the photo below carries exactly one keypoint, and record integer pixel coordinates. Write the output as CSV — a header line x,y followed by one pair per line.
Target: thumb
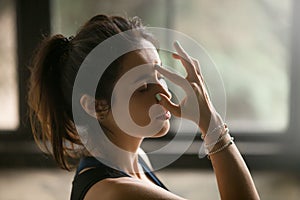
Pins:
x,y
168,104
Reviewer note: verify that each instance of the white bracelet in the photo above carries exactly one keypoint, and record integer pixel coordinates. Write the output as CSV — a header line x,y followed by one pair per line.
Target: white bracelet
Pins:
x,y
214,130
221,148
226,132
213,138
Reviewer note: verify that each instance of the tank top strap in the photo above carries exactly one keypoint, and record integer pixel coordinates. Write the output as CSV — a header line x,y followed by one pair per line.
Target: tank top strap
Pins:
x,y
84,181
150,174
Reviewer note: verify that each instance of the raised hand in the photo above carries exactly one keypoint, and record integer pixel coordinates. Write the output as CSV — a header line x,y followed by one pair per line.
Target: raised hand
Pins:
x,y
196,106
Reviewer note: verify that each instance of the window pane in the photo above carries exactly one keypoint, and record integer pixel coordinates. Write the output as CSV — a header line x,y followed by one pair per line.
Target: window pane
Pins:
x,y
66,18
249,42
8,79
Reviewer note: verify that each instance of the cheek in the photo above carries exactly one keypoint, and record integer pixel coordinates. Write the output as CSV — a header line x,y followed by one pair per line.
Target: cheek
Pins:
x,y
139,109
163,131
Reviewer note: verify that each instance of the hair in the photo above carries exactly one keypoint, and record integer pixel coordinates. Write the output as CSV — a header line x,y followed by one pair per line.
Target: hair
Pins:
x,y
52,74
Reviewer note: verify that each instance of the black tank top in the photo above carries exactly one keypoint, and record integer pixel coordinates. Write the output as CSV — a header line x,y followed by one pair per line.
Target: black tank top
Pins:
x,y
84,181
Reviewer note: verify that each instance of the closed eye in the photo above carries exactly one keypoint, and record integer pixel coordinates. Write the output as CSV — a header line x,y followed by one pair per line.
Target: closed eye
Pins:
x,y
143,88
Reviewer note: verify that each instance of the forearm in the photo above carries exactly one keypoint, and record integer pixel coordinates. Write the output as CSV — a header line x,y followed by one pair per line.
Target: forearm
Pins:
x,y
233,177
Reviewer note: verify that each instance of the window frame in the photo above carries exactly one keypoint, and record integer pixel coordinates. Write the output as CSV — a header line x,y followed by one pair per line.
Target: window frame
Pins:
x,y
17,147
284,143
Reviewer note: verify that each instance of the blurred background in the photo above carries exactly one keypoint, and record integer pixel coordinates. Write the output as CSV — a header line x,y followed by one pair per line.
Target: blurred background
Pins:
x,y
255,47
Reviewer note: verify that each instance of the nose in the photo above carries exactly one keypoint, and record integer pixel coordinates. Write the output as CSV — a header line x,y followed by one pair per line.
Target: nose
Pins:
x,y
163,88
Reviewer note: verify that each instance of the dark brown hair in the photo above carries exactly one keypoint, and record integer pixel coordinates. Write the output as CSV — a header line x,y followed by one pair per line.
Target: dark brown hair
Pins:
x,y
53,72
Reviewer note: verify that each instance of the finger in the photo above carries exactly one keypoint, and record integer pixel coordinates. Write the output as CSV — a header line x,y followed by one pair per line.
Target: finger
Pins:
x,y
178,80
176,56
180,50
197,66
168,104
187,62
195,62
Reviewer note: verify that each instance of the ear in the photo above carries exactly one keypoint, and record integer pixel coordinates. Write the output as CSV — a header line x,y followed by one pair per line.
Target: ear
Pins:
x,y
95,108
88,104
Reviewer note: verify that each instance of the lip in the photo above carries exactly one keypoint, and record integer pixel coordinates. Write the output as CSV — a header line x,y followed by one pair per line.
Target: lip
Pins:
x,y
164,116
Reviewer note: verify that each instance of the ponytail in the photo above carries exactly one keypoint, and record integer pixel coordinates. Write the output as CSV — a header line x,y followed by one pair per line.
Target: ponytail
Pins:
x,y
53,73
48,114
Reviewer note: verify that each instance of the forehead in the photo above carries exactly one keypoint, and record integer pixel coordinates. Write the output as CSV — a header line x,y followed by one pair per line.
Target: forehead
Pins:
x,y
146,55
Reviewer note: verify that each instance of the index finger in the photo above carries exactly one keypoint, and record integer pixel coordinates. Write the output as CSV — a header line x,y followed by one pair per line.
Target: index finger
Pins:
x,y
186,61
178,80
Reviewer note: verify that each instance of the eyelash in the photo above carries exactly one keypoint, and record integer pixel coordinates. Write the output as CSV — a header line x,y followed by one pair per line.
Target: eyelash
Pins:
x,y
143,88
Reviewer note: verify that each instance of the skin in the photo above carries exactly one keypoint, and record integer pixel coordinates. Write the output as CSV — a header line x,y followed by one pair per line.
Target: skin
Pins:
x,y
233,177
140,102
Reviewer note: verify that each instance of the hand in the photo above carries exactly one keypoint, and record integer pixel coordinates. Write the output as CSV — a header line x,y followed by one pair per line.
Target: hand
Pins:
x,y
194,86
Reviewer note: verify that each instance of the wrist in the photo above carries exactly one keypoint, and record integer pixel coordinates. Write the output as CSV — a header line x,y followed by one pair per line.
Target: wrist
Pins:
x,y
224,142
214,122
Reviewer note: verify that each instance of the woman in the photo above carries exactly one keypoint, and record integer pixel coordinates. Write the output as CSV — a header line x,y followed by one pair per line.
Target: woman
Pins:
x,y
53,73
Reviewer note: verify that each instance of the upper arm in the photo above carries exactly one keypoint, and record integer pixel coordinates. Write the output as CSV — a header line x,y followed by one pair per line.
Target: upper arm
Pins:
x,y
126,188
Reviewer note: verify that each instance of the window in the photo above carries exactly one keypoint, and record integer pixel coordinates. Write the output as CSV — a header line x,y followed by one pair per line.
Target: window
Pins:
x,y
250,43
9,117
248,40
66,18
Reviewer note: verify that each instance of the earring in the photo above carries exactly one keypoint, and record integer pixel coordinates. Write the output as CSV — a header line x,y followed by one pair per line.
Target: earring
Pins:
x,y
102,111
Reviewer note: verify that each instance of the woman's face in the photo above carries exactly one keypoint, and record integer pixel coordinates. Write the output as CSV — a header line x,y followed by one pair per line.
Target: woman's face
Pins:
x,y
143,97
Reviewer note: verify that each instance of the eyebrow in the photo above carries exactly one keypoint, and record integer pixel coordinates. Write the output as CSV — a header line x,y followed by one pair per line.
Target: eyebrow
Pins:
x,y
146,76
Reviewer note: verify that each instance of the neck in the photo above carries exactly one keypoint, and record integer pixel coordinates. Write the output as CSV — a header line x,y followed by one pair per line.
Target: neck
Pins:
x,y
124,141
120,151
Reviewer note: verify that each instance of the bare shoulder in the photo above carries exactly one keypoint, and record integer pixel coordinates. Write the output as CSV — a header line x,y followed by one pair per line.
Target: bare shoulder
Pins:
x,y
127,188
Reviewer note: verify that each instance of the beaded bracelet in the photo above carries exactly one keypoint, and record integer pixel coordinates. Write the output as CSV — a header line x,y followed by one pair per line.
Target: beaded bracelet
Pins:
x,y
212,139
214,130
230,142
226,132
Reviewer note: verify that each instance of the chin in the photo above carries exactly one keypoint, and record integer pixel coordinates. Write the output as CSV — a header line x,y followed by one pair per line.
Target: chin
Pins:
x,y
163,131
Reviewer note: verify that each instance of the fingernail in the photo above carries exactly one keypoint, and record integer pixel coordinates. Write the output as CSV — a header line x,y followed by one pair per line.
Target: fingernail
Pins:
x,y
158,97
156,65
177,43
